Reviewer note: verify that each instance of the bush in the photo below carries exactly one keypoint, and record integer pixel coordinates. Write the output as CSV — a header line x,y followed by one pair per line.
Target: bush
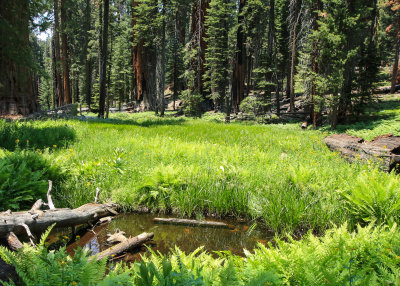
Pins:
x,y
192,104
253,105
24,178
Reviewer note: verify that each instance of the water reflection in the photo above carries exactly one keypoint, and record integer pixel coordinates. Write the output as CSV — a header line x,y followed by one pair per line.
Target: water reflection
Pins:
x,y
166,236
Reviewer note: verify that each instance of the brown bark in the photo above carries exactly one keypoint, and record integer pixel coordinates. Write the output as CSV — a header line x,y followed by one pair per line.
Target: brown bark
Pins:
x,y
138,59
192,222
13,242
240,62
60,91
16,90
395,67
64,57
198,33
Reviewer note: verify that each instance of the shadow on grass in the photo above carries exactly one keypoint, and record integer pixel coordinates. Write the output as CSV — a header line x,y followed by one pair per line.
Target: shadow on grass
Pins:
x,y
375,116
28,135
139,122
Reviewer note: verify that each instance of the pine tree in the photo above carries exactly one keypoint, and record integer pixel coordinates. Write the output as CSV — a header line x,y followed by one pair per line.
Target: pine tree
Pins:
x,y
217,53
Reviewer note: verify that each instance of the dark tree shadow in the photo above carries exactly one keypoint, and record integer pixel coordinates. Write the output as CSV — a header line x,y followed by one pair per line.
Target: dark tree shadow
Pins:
x,y
13,135
140,122
372,118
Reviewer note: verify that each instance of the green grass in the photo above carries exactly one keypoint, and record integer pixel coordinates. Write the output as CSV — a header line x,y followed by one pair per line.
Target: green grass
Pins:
x,y
276,173
381,118
283,176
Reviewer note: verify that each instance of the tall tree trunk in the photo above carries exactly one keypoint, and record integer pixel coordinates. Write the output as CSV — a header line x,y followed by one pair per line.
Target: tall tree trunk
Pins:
x,y
395,67
109,80
60,91
225,94
16,92
270,49
240,61
64,43
317,7
294,21
54,69
198,32
138,60
87,59
162,63
103,59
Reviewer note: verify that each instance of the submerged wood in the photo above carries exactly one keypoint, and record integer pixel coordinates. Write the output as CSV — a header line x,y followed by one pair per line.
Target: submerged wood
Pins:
x,y
16,221
385,150
192,222
125,245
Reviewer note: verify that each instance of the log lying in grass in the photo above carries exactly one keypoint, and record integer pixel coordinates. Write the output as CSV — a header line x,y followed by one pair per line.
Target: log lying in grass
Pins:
x,y
192,222
125,245
387,89
384,150
38,222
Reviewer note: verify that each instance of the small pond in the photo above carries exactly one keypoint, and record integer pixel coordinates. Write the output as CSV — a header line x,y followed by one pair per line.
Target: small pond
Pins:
x,y
166,236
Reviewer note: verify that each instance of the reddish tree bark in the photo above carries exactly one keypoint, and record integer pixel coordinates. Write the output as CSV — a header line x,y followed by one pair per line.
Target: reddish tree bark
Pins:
x,y
16,88
138,59
57,55
64,59
198,33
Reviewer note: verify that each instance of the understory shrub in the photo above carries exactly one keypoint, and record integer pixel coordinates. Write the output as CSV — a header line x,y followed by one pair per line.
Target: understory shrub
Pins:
x,y
24,178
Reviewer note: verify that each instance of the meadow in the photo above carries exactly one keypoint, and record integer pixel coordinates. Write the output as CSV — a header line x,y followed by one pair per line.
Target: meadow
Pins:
x,y
278,175
335,222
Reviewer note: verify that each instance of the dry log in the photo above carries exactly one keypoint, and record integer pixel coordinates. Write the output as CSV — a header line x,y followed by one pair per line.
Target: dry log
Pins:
x,y
387,89
192,222
62,217
125,245
96,198
105,220
118,236
49,199
385,150
13,241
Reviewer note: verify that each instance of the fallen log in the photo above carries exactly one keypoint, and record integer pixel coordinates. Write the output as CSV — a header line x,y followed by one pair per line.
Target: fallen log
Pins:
x,y
384,150
13,241
17,222
192,222
125,245
387,89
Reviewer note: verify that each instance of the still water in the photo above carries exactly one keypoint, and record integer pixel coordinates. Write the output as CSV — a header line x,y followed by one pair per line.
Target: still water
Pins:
x,y
166,236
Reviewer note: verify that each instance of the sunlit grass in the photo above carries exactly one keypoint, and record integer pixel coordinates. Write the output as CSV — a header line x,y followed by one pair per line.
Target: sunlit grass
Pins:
x,y
277,173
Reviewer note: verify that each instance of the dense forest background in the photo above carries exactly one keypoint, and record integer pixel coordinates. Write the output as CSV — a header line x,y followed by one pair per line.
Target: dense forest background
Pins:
x,y
199,54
